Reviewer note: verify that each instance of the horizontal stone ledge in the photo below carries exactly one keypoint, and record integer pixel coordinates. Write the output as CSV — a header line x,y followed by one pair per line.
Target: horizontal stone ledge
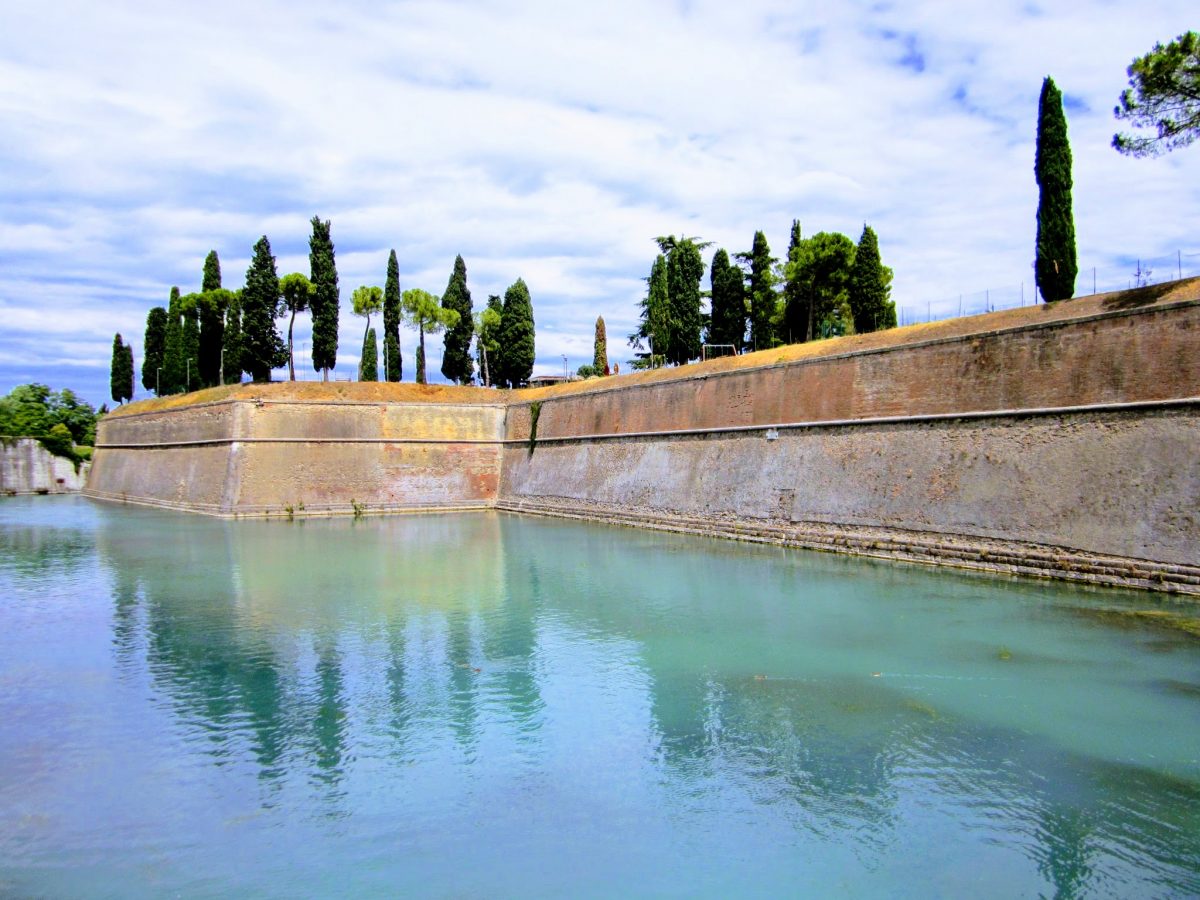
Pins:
x,y
816,424
212,442
309,510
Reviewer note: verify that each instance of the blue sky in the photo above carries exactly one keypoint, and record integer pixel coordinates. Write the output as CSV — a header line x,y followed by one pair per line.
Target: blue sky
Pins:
x,y
549,141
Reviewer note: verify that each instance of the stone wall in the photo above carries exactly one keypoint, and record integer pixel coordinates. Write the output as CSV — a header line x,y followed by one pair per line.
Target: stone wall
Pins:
x,y
26,467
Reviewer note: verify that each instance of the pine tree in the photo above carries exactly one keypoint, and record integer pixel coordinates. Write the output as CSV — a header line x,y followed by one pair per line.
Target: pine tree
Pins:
x,y
324,302
173,372
366,301
456,358
370,357
762,293
655,327
231,346
262,347
728,323
212,273
516,336
153,346
487,340
871,287
1055,266
296,291
121,371
600,348
393,360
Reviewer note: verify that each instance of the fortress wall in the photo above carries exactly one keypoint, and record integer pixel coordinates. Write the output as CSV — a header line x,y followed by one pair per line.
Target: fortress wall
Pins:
x,y
26,467
260,457
1115,356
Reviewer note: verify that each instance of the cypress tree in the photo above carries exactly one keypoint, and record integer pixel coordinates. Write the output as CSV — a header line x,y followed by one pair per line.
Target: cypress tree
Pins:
x,y
212,273
370,357
153,346
324,302
762,293
456,358
516,337
600,348
658,310
212,305
393,361
1055,265
796,297
870,287
685,268
190,344
231,346
728,324
262,348
172,373
120,378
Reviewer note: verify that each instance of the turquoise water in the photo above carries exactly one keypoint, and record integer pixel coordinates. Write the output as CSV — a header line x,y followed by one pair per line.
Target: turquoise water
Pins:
x,y
483,705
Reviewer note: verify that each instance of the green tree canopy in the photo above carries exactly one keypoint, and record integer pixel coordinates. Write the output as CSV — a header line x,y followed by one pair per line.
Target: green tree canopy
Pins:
x,y
189,347
231,363
121,372
32,410
173,369
369,366
487,337
600,348
212,305
1055,265
366,301
727,324
871,287
515,363
262,348
392,357
325,299
821,267
685,268
1164,97
424,312
456,358
154,344
296,291
794,327
655,327
762,292
212,273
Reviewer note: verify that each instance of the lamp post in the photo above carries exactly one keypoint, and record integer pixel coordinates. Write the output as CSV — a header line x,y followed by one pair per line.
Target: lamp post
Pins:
x,y
565,375
158,382
188,388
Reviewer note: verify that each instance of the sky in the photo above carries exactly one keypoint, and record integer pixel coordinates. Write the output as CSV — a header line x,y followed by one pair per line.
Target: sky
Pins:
x,y
551,141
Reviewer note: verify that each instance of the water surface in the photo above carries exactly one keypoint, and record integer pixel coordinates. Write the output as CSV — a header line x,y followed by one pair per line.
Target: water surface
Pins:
x,y
487,705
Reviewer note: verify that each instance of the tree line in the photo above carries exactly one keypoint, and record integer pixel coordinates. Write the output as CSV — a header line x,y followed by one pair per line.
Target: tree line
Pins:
x,y
828,285
216,336
63,422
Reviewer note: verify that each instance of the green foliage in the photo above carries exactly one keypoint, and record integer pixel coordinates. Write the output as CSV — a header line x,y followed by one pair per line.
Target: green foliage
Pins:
x,y
212,273
121,372
393,359
871,287
685,268
516,335
31,410
456,358
535,412
762,292
424,312
262,348
324,301
297,292
487,337
587,371
189,347
728,321
655,327
1163,95
821,267
366,301
212,305
172,373
1055,266
600,348
231,362
154,345
58,441
369,366
794,329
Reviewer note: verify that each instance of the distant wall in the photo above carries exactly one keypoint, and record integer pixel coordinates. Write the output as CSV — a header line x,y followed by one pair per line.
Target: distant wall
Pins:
x,y
246,457
26,467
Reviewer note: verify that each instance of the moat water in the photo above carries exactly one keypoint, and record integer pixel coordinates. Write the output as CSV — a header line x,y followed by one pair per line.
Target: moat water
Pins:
x,y
482,705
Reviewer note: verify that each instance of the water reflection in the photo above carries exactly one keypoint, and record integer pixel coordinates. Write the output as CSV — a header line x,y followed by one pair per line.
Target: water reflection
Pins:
x,y
509,685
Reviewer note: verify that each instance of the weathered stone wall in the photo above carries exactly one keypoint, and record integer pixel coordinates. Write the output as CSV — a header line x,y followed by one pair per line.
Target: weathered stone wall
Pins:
x,y
26,467
256,457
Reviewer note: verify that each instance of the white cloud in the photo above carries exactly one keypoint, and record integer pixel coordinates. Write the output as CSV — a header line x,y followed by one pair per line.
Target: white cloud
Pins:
x,y
549,141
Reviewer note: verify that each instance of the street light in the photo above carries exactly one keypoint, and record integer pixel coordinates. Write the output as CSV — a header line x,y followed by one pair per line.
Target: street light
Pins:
x,y
157,382
189,376
565,375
